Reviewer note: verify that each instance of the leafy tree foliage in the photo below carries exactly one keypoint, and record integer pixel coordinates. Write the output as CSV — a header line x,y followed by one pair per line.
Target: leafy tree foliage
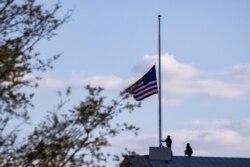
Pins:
x,y
74,137
77,137
22,25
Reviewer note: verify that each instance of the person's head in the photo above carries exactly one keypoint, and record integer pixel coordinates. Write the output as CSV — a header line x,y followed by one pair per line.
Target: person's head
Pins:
x,y
168,136
188,144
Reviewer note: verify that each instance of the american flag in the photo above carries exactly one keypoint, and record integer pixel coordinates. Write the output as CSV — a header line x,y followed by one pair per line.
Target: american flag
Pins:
x,y
145,86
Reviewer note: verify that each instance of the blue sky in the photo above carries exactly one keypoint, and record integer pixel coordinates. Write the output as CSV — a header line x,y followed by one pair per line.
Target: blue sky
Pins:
x,y
205,68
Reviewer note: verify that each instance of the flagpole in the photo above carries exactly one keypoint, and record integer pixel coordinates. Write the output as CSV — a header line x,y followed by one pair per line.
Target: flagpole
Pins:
x,y
159,19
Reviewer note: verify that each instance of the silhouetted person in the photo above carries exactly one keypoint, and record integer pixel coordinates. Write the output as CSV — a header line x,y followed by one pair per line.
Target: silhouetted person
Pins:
x,y
188,150
168,141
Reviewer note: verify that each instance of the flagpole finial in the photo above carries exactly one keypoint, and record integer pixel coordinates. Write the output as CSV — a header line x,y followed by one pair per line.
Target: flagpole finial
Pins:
x,y
159,16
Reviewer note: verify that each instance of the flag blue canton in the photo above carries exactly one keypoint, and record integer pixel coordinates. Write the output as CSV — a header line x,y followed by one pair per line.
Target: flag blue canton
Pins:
x,y
145,86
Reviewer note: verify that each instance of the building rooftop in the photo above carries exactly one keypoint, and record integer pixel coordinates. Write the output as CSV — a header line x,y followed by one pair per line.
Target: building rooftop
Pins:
x,y
182,161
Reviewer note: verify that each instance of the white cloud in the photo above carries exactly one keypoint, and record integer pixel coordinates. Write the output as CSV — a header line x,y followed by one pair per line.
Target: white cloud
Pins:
x,y
243,125
171,102
49,82
209,87
178,80
212,124
216,137
219,88
191,81
215,140
170,67
140,143
107,82
173,68
243,69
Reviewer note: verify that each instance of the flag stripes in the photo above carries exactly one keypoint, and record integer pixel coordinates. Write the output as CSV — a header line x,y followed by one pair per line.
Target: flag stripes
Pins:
x,y
145,91
144,87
